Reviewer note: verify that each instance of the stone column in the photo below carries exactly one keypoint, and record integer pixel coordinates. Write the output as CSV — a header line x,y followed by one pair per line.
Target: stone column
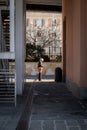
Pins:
x,y
20,47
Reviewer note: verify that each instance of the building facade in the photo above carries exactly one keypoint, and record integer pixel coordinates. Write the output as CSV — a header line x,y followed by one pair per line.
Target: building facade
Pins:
x,y
45,29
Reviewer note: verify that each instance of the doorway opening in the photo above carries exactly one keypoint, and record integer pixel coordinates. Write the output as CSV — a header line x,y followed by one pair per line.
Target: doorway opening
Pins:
x,y
43,39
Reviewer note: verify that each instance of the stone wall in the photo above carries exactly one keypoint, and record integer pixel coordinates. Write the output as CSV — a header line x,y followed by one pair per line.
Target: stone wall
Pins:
x,y
48,68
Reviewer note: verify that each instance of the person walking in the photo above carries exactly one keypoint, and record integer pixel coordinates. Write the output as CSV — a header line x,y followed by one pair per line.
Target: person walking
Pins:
x,y
40,69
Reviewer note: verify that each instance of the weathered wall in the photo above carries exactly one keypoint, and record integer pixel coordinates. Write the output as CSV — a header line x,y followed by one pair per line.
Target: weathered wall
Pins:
x,y
48,68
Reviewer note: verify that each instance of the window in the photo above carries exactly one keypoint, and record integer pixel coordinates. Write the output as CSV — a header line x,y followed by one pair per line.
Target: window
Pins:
x,y
54,22
38,22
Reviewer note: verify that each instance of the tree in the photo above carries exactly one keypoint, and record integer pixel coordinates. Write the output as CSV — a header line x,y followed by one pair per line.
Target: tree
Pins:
x,y
43,42
33,52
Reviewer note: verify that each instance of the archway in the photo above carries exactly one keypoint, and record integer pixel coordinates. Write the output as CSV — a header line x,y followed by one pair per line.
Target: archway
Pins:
x,y
45,20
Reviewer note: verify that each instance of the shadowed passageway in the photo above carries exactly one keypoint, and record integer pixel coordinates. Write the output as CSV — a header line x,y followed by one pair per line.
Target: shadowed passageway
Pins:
x,y
55,108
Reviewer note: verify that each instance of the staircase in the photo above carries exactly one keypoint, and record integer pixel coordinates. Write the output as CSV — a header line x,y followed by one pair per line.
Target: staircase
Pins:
x,y
4,2
7,87
6,28
7,74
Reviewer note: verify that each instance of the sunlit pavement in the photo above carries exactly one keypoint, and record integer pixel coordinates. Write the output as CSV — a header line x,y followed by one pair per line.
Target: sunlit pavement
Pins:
x,y
43,80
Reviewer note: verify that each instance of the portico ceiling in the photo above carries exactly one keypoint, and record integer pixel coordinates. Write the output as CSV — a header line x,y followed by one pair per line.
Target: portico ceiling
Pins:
x,y
45,2
42,2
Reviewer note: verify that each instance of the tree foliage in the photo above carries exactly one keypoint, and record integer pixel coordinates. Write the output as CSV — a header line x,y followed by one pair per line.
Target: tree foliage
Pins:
x,y
34,52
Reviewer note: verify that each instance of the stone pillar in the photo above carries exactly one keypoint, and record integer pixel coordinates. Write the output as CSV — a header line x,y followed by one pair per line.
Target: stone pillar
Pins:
x,y
20,47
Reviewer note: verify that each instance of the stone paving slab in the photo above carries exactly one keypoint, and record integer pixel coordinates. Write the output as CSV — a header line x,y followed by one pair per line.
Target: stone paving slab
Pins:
x,y
4,120
35,125
48,125
9,117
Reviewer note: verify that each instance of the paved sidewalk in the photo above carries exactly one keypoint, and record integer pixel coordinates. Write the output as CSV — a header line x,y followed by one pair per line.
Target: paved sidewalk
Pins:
x,y
55,108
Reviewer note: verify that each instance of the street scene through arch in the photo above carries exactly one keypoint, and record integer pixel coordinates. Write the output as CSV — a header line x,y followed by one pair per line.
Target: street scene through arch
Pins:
x,y
43,40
